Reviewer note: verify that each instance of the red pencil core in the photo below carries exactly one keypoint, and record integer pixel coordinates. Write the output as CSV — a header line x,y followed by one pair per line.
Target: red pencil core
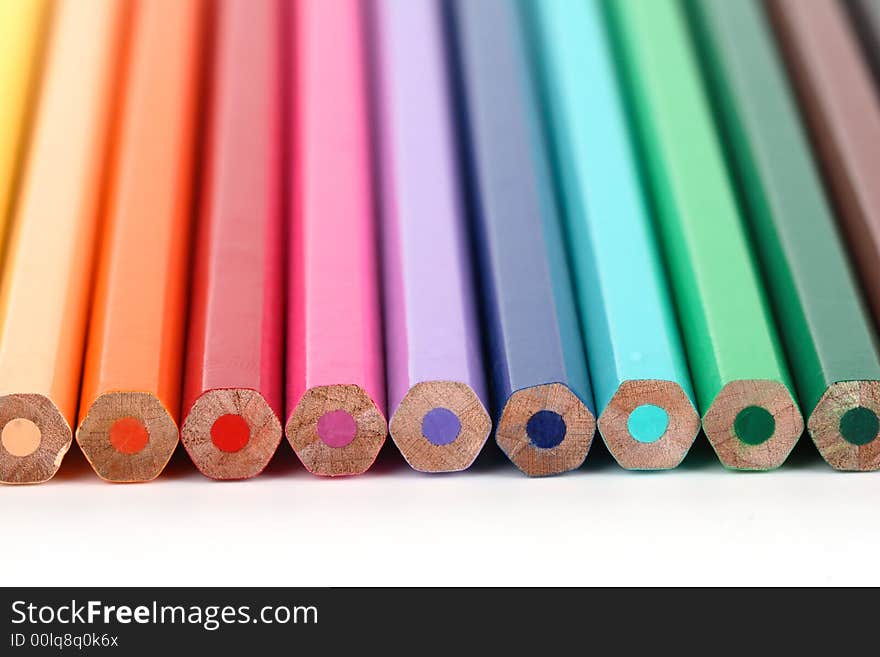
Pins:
x,y
129,435
230,433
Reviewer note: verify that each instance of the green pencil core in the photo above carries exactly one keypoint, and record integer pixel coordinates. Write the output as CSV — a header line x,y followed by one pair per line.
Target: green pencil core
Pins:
x,y
753,425
859,425
647,423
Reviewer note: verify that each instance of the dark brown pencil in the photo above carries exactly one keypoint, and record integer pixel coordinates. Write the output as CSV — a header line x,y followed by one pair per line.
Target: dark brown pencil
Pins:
x,y
842,109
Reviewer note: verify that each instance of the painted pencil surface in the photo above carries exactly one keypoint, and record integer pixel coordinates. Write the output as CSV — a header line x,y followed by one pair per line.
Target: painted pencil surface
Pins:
x,y
824,326
131,382
436,385
741,379
539,370
233,381
842,108
637,363
48,272
335,378
865,16
23,25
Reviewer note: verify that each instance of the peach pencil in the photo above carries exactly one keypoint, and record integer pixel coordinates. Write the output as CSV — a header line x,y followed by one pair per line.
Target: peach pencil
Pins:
x,y
48,269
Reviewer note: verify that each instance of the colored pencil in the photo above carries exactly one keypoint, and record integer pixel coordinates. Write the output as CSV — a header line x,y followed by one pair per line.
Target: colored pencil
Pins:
x,y
637,363
740,376
23,26
335,369
824,326
48,271
842,108
131,381
233,383
865,15
436,384
536,350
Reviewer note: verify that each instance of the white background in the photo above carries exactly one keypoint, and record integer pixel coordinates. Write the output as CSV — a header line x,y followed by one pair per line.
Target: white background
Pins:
x,y
697,525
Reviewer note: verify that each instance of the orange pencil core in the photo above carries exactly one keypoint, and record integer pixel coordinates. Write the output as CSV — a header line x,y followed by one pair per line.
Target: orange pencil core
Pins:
x,y
129,435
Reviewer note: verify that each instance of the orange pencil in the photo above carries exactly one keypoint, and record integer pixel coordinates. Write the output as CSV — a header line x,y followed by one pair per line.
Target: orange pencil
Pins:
x,y
132,380
48,270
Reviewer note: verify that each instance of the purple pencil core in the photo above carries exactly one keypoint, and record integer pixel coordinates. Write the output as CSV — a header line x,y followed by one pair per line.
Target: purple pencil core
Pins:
x,y
440,426
337,428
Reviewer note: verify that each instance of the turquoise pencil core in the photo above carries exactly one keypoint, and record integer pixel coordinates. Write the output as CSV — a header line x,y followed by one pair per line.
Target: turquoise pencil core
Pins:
x,y
647,423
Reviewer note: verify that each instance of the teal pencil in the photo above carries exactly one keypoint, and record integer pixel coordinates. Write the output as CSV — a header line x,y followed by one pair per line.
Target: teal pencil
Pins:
x,y
640,378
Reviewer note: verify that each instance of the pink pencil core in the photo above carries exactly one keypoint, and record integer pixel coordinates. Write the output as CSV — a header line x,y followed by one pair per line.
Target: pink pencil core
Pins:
x,y
337,428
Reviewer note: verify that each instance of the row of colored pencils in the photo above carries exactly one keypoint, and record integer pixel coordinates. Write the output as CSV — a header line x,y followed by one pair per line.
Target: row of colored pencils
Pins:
x,y
232,220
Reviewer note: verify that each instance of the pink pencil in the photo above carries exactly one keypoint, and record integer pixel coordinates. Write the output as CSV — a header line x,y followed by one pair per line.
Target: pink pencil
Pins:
x,y
335,382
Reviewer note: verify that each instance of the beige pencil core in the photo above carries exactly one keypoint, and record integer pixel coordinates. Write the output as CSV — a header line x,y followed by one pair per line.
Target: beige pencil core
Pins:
x,y
21,437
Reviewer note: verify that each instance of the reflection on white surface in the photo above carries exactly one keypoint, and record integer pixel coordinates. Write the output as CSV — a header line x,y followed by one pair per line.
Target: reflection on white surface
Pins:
x,y
489,526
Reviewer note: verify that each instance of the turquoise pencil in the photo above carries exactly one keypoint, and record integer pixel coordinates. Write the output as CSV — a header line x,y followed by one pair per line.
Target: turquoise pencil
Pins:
x,y
642,389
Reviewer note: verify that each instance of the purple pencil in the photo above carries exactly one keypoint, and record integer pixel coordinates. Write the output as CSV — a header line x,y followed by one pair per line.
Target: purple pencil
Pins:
x,y
436,384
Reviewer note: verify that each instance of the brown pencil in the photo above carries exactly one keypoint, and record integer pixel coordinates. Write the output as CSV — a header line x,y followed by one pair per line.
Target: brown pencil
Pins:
x,y
842,108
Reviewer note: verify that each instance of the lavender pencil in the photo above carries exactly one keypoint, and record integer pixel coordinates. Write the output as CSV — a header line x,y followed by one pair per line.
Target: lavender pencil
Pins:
x,y
436,386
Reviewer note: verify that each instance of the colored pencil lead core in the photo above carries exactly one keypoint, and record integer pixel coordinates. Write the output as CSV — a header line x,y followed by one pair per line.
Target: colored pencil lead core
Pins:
x,y
753,424
649,424
34,437
127,436
336,430
545,429
845,425
231,433
21,437
859,425
440,426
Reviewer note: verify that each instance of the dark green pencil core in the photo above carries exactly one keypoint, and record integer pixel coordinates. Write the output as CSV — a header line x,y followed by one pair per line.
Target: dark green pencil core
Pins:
x,y
859,425
753,425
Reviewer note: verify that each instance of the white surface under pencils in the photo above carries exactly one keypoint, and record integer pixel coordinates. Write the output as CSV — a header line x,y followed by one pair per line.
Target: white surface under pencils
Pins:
x,y
698,525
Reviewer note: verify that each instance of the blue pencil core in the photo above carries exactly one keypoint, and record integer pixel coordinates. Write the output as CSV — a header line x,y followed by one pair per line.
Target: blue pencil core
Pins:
x,y
647,423
546,429
440,426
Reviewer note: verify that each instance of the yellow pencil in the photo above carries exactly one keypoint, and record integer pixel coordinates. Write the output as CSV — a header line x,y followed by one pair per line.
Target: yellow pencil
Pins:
x,y
48,271
22,32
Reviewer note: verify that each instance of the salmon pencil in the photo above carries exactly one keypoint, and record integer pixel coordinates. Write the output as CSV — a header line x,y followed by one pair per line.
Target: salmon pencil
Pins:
x,y
233,382
22,33
335,380
48,269
131,383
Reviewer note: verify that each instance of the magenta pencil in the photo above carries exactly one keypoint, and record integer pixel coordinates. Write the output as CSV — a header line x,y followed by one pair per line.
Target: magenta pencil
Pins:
x,y
233,378
335,379
436,384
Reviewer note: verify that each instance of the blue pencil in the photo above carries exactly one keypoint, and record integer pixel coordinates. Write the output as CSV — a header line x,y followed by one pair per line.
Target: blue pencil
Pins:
x,y
538,366
640,378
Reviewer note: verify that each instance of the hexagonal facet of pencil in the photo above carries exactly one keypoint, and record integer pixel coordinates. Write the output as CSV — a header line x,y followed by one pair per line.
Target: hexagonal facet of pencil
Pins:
x,y
127,436
336,430
649,424
753,424
545,430
845,425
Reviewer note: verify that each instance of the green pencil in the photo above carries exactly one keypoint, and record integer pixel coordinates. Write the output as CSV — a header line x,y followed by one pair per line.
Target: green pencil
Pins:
x,y
741,380
824,325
